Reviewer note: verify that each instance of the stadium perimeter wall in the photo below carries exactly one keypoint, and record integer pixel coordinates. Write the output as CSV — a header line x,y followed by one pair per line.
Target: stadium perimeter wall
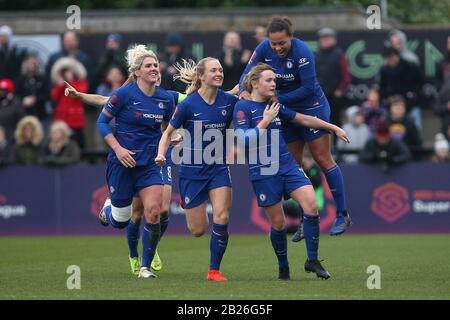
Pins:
x,y
414,198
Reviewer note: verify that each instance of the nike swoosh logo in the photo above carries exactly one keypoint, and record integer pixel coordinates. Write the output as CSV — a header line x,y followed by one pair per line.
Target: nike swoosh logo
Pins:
x,y
197,114
267,60
253,111
136,103
314,131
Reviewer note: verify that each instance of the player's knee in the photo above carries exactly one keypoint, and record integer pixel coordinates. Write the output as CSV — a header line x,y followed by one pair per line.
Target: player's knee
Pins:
x,y
136,215
278,224
221,216
324,160
310,206
197,231
152,213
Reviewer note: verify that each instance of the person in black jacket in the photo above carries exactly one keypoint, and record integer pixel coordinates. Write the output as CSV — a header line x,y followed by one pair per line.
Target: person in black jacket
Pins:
x,y
11,57
400,77
233,58
31,88
332,72
384,150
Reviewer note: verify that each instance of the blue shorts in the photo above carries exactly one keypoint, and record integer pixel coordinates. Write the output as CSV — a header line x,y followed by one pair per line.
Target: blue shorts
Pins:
x,y
195,192
293,132
271,190
124,183
166,172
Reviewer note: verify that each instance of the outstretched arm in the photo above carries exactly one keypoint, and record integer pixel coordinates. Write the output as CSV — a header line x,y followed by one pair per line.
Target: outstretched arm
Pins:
x,y
94,100
312,122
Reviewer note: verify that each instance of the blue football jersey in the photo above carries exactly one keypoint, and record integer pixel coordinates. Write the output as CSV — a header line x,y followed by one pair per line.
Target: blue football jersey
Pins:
x,y
247,115
138,119
297,85
194,114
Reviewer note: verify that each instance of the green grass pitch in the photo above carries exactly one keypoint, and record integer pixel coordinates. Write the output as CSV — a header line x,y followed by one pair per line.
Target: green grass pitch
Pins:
x,y
412,267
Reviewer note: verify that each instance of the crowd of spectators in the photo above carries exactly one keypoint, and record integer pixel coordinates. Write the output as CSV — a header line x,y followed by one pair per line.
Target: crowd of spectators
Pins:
x,y
40,125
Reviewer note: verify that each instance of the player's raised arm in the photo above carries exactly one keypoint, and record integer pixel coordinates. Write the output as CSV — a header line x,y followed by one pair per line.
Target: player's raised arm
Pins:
x,y
313,122
94,100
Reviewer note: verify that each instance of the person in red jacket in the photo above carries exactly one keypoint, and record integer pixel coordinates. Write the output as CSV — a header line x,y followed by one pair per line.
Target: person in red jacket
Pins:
x,y
68,109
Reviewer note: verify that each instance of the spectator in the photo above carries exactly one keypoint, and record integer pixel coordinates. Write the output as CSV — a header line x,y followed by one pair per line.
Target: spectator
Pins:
x,y
332,72
70,43
60,149
114,80
441,149
68,109
401,127
357,131
114,56
233,59
384,150
32,89
29,137
11,57
400,77
399,42
443,72
446,129
374,112
260,34
442,104
6,150
174,52
10,108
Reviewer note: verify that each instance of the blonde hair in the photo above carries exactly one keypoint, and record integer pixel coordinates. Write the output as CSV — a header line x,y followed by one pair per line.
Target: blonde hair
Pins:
x,y
36,126
189,72
254,75
61,125
135,57
54,145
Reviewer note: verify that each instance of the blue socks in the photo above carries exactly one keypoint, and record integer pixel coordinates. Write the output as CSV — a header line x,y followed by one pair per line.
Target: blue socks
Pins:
x,y
164,223
311,229
218,245
279,244
336,184
133,235
150,239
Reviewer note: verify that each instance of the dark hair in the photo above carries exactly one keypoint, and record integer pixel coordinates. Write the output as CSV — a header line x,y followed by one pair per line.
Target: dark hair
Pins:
x,y
278,24
388,52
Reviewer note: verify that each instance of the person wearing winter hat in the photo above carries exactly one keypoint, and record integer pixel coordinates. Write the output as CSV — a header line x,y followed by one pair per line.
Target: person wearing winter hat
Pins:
x,y
441,149
357,131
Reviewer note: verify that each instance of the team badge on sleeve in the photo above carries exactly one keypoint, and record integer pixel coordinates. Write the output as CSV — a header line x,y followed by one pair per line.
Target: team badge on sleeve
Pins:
x,y
240,115
302,62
